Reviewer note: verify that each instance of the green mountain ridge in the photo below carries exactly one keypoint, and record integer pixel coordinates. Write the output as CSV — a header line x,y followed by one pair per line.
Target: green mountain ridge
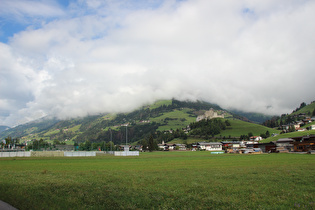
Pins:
x,y
156,119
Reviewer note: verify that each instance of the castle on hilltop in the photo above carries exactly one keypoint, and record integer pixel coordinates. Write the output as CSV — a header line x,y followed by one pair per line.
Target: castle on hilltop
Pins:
x,y
209,115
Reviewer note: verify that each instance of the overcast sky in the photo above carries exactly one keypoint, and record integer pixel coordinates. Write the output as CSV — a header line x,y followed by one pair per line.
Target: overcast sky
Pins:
x,y
79,57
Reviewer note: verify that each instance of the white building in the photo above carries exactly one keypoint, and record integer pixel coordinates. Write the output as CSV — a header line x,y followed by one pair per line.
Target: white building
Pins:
x,y
210,146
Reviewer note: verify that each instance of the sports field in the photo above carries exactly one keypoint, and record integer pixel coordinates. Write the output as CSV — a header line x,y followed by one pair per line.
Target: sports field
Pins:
x,y
160,180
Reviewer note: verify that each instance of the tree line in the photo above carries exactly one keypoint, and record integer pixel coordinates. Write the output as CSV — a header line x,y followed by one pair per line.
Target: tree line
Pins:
x,y
208,127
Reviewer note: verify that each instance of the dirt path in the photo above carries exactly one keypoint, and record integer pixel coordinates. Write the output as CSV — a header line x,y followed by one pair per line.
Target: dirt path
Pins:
x,y
6,206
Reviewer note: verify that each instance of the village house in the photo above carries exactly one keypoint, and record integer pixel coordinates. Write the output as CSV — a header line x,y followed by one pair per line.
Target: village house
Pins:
x,y
304,143
296,126
284,145
209,146
255,138
168,147
248,143
265,147
231,145
312,127
307,120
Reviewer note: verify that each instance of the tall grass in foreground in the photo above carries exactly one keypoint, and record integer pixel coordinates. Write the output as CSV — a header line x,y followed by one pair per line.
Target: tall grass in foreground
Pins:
x,y
160,180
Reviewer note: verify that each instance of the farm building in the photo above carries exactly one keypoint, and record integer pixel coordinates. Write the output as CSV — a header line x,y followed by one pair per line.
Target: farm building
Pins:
x,y
284,145
304,143
231,144
265,147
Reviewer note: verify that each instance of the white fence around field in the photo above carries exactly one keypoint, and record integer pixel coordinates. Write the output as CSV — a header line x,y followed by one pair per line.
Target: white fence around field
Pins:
x,y
127,153
15,154
79,154
67,154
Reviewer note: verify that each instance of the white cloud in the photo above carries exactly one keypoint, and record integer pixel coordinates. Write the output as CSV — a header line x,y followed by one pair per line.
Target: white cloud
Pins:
x,y
247,55
21,10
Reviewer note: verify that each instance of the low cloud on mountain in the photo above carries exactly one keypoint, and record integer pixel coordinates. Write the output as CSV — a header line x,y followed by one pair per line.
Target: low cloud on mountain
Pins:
x,y
89,57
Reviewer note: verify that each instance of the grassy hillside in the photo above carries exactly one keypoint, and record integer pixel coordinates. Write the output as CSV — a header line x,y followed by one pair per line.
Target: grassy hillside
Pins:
x,y
176,119
239,128
290,118
160,103
289,135
308,109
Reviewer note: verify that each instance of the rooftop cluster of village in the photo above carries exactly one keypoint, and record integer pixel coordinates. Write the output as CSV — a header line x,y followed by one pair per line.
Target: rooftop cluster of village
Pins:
x,y
297,125
284,145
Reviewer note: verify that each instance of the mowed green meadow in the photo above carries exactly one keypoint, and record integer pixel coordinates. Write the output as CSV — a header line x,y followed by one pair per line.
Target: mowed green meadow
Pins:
x,y
160,180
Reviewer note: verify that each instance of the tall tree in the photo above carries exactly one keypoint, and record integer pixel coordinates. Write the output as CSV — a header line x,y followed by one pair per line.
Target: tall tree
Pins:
x,y
144,144
267,134
250,134
8,140
152,144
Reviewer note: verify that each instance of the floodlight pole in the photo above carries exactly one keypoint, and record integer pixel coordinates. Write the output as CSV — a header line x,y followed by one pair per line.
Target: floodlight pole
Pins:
x,y
126,134
111,141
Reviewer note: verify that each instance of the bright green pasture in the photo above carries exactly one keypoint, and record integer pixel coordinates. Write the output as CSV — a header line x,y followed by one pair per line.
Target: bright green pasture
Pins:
x,y
239,127
160,180
174,124
290,135
309,108
161,103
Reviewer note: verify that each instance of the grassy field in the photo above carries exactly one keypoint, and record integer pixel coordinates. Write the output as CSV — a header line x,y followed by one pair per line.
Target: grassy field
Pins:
x,y
160,180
